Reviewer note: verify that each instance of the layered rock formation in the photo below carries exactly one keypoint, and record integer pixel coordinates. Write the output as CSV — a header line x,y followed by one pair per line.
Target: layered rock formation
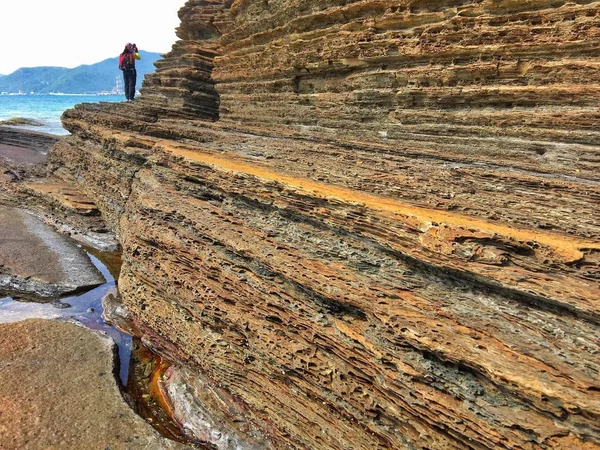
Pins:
x,y
36,260
27,141
24,184
369,224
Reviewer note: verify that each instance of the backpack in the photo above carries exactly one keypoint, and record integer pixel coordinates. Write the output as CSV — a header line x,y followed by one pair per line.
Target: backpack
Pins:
x,y
125,61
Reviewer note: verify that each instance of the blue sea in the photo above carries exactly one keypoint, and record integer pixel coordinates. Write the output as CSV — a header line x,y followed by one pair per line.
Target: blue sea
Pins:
x,y
47,109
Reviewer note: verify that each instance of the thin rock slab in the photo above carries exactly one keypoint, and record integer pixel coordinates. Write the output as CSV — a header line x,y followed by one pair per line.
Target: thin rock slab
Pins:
x,y
28,140
35,259
58,392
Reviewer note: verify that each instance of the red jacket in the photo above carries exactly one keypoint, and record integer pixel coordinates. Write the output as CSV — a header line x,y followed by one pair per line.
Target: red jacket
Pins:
x,y
127,60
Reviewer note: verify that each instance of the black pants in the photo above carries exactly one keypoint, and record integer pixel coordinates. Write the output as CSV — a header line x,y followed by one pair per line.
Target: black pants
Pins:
x,y
129,78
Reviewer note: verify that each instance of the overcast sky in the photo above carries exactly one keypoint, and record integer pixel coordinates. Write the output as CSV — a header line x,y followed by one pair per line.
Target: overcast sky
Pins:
x,y
68,33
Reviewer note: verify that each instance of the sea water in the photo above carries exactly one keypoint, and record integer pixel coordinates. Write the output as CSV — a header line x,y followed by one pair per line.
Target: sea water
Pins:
x,y
47,109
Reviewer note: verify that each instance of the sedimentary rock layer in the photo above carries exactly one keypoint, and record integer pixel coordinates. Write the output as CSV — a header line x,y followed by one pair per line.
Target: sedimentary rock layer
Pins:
x,y
382,232
35,259
28,140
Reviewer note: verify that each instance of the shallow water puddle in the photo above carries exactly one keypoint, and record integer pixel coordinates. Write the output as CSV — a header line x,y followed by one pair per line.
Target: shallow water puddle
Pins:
x,y
85,308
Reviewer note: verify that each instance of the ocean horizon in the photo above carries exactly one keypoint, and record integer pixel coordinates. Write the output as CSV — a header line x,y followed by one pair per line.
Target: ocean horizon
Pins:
x,y
47,108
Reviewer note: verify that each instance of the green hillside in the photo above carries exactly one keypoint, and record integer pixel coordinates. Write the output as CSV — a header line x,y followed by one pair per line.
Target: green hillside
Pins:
x,y
84,79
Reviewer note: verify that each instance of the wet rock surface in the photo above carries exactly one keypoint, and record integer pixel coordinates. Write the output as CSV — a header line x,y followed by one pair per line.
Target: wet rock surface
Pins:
x,y
24,184
379,230
40,263
58,391
208,413
28,141
35,259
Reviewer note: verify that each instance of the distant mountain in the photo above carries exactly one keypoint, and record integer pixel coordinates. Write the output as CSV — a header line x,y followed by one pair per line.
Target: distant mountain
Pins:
x,y
84,79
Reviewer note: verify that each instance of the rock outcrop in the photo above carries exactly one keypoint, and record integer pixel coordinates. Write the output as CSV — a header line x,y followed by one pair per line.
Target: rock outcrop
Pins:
x,y
58,391
25,186
27,141
370,224
36,260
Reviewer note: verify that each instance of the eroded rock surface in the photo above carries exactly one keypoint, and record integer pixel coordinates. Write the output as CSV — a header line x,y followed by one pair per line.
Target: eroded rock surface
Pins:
x,y
374,224
24,184
26,140
35,259
58,391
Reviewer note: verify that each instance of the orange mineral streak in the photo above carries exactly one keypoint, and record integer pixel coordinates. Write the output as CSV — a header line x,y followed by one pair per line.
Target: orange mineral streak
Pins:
x,y
156,391
569,248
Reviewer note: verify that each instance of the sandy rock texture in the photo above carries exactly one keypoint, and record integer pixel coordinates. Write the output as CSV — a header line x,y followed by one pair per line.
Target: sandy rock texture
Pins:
x,y
37,216
26,140
372,224
35,259
25,185
58,392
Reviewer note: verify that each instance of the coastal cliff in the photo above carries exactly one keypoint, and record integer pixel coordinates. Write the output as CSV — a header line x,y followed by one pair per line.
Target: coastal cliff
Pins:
x,y
365,224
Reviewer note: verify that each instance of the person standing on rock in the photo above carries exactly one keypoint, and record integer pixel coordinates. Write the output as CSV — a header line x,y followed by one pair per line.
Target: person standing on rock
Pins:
x,y
127,65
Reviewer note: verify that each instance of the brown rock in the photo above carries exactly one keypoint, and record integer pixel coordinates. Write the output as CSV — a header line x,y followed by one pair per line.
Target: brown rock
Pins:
x,y
36,259
21,155
24,184
32,143
58,391
380,228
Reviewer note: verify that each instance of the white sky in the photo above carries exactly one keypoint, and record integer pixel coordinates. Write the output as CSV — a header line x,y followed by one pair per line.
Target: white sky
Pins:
x,y
68,33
